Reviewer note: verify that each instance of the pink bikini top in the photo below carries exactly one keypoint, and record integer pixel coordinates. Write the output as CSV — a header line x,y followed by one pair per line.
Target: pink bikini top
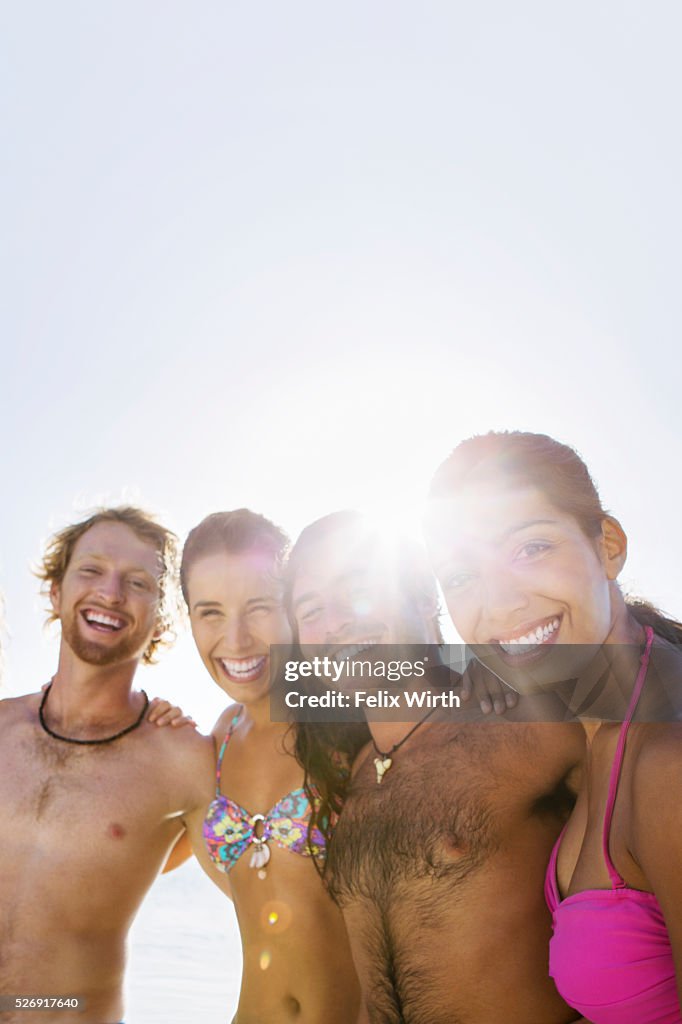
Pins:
x,y
610,955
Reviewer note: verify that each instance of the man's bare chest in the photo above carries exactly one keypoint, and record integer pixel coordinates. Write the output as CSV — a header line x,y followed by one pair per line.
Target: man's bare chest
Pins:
x,y
47,787
442,810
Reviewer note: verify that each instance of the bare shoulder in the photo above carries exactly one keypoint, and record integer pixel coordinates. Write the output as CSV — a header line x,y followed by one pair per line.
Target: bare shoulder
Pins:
x,y
183,760
224,721
16,709
560,742
666,657
656,807
662,697
657,768
554,752
184,745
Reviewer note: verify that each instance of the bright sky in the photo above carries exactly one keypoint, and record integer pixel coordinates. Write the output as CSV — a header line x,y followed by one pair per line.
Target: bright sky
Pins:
x,y
287,255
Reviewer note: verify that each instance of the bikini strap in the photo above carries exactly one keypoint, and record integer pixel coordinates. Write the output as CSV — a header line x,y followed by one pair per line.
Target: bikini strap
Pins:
x,y
616,879
223,747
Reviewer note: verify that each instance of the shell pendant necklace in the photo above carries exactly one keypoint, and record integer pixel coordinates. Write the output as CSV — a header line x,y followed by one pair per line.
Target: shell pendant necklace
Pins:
x,y
384,758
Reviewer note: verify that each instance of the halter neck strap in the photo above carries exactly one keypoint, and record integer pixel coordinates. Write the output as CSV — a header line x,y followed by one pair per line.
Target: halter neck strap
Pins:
x,y
616,879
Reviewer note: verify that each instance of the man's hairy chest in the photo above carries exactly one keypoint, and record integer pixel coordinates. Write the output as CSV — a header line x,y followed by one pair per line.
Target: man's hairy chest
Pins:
x,y
444,808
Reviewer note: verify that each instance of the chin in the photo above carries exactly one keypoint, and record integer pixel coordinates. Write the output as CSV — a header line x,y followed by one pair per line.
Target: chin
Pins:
x,y
103,657
248,699
540,673
246,693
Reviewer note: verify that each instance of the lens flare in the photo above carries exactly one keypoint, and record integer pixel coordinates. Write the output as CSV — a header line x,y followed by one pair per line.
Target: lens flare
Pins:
x,y
275,916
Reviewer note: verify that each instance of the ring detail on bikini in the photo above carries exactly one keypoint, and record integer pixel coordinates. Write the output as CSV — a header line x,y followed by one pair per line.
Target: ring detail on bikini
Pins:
x,y
261,855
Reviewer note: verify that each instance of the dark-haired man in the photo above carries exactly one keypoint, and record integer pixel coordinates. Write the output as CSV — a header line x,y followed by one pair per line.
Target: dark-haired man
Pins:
x,y
92,796
438,860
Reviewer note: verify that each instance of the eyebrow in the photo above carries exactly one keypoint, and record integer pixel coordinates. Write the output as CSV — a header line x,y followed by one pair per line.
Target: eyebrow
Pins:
x,y
452,559
517,527
265,599
346,577
129,571
310,596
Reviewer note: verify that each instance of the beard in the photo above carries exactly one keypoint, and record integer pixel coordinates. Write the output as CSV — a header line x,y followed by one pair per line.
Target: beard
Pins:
x,y
130,646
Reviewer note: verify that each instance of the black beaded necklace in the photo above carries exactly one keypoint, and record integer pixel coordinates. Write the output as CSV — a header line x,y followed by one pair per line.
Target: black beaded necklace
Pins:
x,y
89,743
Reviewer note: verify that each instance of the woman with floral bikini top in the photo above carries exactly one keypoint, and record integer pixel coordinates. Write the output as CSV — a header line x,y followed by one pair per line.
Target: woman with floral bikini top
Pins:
x,y
263,838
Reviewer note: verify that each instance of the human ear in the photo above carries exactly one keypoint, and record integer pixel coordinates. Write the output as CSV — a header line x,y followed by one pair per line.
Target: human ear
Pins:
x,y
159,629
613,545
55,596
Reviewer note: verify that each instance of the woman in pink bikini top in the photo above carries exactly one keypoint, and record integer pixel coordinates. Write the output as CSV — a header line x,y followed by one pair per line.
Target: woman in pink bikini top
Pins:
x,y
610,955
534,579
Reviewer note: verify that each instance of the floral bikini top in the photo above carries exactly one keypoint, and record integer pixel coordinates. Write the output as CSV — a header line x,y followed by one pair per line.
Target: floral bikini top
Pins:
x,y
229,829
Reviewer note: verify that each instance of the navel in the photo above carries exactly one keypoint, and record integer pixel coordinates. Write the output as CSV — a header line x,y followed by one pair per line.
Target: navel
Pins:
x,y
292,1005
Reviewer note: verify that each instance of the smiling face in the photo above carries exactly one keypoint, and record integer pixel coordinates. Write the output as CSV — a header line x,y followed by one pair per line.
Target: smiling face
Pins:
x,y
345,600
521,577
108,599
236,613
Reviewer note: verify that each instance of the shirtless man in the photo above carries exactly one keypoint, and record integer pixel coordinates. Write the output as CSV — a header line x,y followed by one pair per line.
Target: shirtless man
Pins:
x,y
439,868
92,796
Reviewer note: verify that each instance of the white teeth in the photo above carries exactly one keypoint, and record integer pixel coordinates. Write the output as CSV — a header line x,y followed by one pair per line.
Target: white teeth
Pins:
x,y
517,647
523,644
243,667
351,650
103,620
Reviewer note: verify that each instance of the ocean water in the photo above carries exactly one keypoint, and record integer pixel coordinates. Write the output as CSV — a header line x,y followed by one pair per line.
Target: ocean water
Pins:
x,y
184,963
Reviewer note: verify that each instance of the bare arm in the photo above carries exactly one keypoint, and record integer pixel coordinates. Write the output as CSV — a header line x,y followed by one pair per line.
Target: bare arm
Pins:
x,y
181,852
657,828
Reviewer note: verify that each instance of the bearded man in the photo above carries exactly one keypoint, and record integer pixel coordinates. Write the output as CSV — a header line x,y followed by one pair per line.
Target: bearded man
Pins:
x,y
92,796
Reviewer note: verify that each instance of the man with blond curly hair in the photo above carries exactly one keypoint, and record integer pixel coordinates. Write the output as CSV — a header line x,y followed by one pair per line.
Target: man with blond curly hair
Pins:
x,y
92,796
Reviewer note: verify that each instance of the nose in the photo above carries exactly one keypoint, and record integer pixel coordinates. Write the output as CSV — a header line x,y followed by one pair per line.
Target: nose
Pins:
x,y
338,617
110,588
502,598
236,634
